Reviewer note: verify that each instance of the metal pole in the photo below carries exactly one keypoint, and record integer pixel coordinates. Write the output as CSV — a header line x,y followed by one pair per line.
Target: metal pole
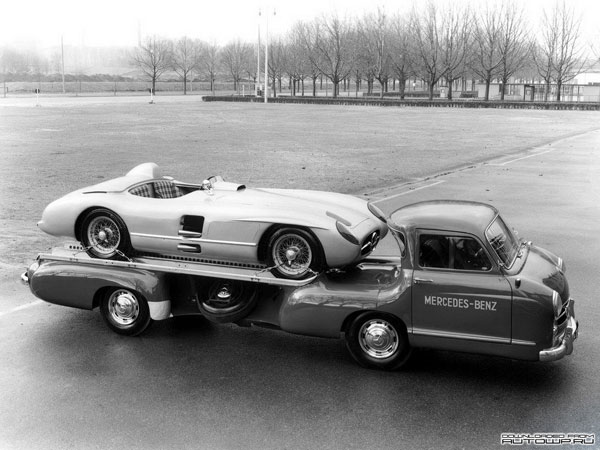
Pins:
x,y
62,51
257,59
267,59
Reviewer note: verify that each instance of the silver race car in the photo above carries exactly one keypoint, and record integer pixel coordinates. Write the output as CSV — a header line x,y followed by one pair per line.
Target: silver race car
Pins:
x,y
292,232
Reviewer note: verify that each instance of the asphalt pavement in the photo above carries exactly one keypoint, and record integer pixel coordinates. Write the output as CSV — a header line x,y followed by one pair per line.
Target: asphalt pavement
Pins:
x,y
66,381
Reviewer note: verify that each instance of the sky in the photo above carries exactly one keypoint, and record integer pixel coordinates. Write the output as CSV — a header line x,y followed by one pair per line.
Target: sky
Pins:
x,y
119,22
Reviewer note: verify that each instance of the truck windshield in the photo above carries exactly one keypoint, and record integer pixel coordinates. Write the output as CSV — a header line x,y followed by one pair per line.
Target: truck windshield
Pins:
x,y
503,241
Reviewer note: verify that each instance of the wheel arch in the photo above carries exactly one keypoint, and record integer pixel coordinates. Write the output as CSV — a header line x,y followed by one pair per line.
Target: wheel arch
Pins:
x,y
351,317
81,217
99,294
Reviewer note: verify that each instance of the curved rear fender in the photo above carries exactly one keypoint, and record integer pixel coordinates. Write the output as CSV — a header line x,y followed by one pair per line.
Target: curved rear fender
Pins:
x,y
81,286
79,221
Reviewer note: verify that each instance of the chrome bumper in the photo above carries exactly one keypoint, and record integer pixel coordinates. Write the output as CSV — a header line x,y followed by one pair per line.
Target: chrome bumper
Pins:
x,y
25,278
566,346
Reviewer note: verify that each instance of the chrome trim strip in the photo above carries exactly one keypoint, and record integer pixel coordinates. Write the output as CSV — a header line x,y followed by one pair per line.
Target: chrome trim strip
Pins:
x,y
467,336
208,241
519,342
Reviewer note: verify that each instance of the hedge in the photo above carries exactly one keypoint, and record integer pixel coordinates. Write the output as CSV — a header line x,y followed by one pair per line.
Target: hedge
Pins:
x,y
437,103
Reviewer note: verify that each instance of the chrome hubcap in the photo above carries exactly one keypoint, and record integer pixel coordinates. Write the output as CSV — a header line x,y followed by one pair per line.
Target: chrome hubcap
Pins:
x,y
224,294
123,307
378,339
291,254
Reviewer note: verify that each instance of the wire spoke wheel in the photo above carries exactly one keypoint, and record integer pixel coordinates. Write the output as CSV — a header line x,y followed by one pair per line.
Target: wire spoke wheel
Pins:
x,y
103,235
292,254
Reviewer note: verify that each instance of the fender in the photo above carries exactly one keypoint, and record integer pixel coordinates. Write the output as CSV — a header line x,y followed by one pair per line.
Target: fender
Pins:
x,y
63,283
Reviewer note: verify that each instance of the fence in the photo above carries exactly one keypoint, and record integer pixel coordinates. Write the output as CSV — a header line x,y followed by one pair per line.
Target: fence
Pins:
x,y
438,103
111,87
513,92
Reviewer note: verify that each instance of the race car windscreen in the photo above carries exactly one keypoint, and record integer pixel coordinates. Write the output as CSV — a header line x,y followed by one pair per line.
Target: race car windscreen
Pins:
x,y
503,241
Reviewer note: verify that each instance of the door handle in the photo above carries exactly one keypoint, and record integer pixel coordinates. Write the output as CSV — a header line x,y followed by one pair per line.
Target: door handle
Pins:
x,y
189,248
189,234
422,280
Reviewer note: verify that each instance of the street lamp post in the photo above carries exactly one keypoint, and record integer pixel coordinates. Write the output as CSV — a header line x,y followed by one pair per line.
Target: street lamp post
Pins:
x,y
267,56
257,59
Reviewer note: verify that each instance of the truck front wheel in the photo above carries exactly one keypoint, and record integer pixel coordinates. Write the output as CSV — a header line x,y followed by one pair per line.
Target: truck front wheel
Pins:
x,y
125,311
378,341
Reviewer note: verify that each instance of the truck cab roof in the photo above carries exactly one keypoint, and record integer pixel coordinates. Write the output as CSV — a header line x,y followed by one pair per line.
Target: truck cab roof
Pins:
x,y
454,215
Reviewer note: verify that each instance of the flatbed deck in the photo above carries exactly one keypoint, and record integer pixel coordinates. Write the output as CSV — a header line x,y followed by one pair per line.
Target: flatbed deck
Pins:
x,y
74,252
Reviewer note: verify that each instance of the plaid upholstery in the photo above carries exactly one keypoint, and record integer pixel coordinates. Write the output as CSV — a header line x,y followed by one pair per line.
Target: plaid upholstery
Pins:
x,y
166,189
143,190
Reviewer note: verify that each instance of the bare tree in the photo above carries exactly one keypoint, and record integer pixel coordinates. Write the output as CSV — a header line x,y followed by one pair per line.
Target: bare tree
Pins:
x,y
514,46
569,60
364,58
13,62
558,55
307,35
277,60
153,57
455,44
209,59
333,49
426,30
487,37
237,56
297,61
401,52
542,55
185,59
374,36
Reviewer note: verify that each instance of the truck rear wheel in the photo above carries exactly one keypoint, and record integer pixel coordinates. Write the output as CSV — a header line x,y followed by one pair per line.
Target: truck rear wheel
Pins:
x,y
125,312
228,300
378,341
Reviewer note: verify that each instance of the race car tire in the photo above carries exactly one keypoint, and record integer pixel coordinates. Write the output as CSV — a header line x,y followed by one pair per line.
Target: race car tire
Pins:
x,y
293,253
104,235
125,311
378,341
227,301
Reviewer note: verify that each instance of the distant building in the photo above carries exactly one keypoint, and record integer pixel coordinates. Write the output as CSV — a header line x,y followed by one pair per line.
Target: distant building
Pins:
x,y
583,88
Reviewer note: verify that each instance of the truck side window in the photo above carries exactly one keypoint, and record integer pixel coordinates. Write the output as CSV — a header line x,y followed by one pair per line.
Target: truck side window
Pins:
x,y
469,255
457,253
434,251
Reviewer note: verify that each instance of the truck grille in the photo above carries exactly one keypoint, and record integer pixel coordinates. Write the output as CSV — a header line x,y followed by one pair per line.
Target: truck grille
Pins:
x,y
561,321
